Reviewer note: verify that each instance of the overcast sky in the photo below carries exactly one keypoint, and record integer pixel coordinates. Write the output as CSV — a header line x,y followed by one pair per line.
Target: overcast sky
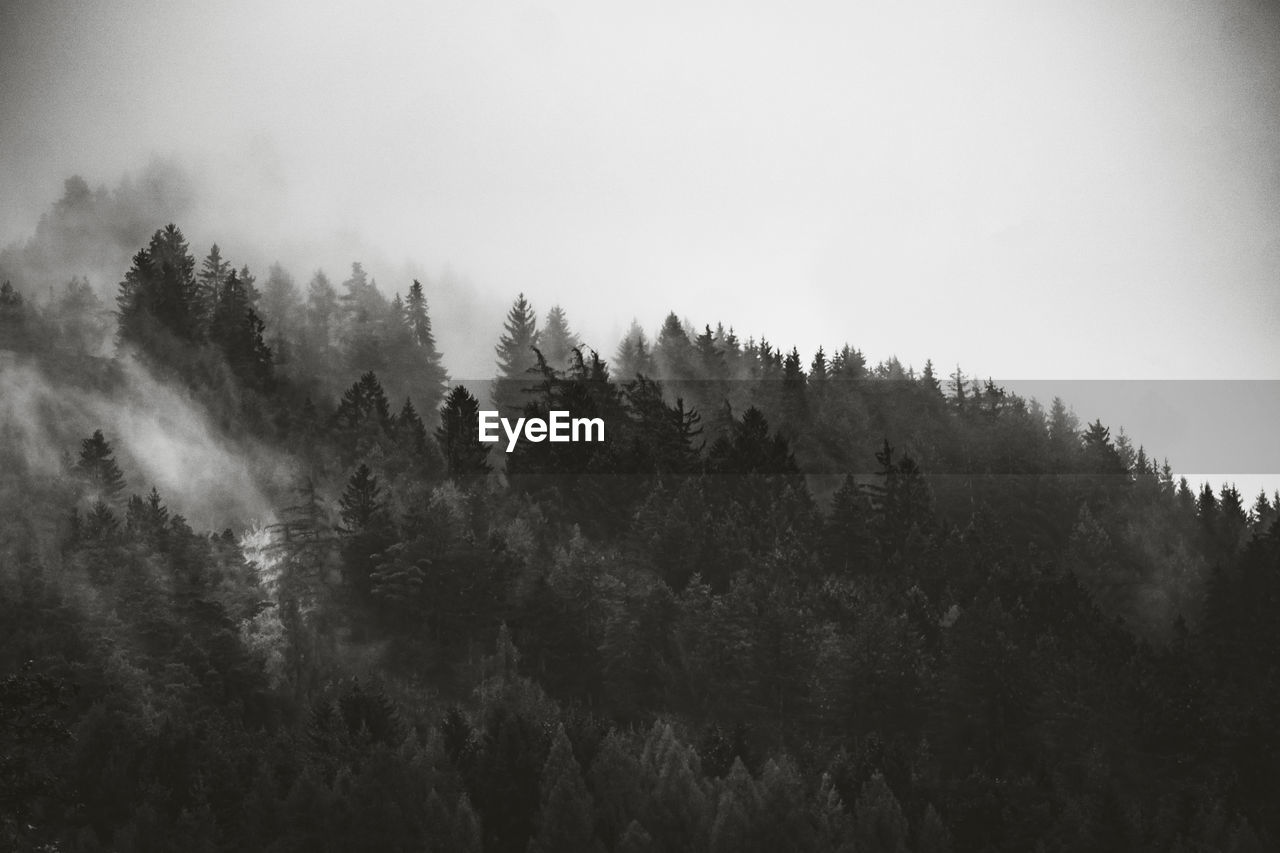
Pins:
x,y
1031,189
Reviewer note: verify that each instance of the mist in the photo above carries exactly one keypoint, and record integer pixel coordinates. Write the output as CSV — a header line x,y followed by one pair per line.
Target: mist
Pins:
x,y
162,438
1057,191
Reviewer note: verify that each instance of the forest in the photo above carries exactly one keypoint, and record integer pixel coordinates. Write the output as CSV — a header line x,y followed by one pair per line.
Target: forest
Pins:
x,y
791,603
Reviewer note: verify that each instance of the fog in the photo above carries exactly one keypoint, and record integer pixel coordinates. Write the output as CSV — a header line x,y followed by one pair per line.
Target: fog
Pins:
x,y
1032,191
1035,190
161,438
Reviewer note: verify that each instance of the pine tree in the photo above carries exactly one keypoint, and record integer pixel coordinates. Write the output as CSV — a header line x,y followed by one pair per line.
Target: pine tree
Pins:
x,y
366,318
322,312
564,821
516,358
795,403
147,518
362,506
880,825
557,341
818,367
674,352
847,534
458,436
100,524
214,270
752,449
160,292
932,835
237,331
366,526
410,428
13,319
929,380
97,468
632,358
428,368
635,839
365,404
849,363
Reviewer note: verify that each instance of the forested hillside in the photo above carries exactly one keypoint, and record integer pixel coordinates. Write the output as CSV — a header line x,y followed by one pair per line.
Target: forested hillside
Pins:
x,y
791,603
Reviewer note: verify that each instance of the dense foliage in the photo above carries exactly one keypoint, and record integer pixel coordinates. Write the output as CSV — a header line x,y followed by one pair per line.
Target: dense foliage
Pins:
x,y
830,606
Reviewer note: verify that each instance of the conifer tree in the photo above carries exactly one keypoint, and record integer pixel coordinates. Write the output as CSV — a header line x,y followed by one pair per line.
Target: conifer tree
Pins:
x,y
214,270
516,358
458,436
557,341
362,505
929,380
848,363
564,821
366,526
410,428
752,449
632,358
100,523
818,367
428,368
365,323
321,312
237,331
160,292
97,468
13,319
795,404
281,311
847,534
674,352
878,818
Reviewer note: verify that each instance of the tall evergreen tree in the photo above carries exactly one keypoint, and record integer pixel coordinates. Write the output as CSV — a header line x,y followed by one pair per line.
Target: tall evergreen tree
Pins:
x,y
632,358
428,368
237,331
280,310
516,358
465,455
97,468
557,341
322,311
674,351
366,525
214,270
564,820
14,331
159,292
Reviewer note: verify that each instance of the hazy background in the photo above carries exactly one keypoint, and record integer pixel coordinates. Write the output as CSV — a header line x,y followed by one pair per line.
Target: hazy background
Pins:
x,y
1042,190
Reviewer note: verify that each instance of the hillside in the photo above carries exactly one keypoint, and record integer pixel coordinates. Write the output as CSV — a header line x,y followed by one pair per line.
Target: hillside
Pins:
x,y
262,588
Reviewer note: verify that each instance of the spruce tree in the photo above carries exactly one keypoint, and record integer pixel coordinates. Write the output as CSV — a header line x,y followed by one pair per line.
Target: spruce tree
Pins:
x,y
321,312
97,468
516,358
160,292
674,352
361,504
214,270
632,358
13,319
557,341
429,372
465,455
818,367
237,331
409,427
564,821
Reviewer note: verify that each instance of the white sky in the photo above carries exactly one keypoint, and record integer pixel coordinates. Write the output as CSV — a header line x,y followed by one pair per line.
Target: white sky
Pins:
x,y
1073,189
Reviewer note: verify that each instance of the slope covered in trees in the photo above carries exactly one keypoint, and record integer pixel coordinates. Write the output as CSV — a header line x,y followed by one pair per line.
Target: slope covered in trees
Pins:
x,y
789,604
